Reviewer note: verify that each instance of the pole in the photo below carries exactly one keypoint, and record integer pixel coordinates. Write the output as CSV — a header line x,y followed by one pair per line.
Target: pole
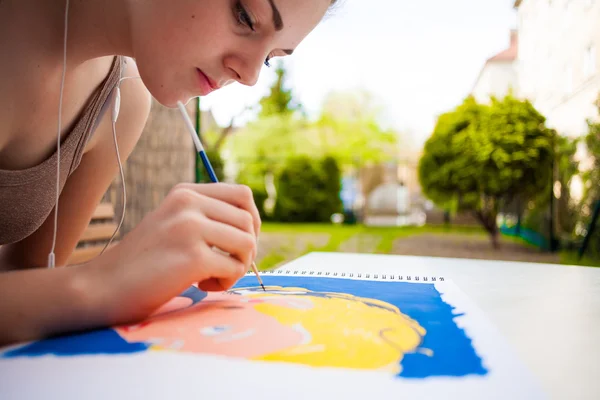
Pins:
x,y
590,230
553,244
199,176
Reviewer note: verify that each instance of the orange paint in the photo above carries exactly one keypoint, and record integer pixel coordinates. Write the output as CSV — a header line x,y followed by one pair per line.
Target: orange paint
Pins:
x,y
222,324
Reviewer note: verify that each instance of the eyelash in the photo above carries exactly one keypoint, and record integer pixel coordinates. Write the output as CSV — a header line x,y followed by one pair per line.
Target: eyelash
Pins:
x,y
242,17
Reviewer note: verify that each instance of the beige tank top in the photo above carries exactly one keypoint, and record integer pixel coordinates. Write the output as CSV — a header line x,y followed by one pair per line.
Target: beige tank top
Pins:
x,y
27,197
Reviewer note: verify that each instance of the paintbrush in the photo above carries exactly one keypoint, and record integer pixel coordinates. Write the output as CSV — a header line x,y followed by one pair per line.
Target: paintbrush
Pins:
x,y
207,165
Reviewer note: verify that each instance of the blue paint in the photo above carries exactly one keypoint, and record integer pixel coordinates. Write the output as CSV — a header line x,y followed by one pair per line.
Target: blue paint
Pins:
x,y
105,341
194,294
453,353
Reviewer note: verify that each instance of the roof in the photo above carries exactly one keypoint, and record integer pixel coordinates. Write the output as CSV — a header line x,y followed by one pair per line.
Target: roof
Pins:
x,y
510,54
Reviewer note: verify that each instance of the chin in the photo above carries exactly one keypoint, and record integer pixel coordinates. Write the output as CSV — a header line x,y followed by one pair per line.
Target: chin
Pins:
x,y
170,99
162,89
165,95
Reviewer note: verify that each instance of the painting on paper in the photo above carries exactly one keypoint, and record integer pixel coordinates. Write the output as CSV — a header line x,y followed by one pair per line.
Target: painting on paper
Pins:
x,y
404,329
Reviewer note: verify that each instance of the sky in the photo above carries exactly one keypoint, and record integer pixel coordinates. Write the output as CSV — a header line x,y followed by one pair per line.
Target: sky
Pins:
x,y
418,58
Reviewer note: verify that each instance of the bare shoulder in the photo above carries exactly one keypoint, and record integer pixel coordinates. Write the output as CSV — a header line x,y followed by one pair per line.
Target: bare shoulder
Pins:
x,y
135,99
133,112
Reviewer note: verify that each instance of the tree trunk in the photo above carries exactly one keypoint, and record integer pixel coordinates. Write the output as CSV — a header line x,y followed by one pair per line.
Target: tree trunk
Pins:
x,y
488,220
225,132
494,236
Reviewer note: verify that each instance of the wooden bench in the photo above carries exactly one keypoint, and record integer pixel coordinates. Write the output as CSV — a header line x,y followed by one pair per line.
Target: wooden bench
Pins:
x,y
96,235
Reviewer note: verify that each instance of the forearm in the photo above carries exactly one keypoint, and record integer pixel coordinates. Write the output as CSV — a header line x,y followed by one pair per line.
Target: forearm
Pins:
x,y
12,259
43,302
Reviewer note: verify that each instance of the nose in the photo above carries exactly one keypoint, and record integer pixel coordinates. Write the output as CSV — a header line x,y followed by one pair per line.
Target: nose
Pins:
x,y
245,70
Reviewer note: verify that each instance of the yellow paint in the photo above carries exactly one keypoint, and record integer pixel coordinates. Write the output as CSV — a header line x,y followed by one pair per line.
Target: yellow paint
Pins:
x,y
345,331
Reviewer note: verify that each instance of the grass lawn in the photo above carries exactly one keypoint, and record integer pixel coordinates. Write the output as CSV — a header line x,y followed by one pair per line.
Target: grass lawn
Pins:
x,y
280,243
340,233
572,258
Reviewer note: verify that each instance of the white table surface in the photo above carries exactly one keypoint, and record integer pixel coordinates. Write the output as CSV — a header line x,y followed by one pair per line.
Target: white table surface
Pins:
x,y
549,313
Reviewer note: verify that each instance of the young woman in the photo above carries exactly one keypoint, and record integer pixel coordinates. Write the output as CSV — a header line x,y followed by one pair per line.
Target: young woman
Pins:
x,y
182,49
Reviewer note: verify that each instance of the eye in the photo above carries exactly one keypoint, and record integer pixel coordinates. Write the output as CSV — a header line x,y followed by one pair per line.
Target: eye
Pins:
x,y
242,16
267,61
214,330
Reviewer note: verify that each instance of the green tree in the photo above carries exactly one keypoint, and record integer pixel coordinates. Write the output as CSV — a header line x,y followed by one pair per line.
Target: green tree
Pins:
x,y
359,140
343,132
591,179
308,190
280,100
567,167
481,156
350,138
262,146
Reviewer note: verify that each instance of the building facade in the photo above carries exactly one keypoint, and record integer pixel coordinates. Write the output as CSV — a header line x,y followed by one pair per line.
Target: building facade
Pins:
x,y
558,60
499,74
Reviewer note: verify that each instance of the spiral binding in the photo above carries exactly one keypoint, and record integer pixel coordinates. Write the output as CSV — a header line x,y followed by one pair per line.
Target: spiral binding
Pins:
x,y
383,277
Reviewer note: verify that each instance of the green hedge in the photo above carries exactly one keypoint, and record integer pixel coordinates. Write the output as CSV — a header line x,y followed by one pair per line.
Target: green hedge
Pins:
x,y
308,190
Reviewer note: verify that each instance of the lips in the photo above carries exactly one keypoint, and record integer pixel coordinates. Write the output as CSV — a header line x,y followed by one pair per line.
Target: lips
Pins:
x,y
207,85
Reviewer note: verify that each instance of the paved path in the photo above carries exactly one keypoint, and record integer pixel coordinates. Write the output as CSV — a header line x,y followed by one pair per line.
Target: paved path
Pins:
x,y
283,247
469,246
288,245
360,243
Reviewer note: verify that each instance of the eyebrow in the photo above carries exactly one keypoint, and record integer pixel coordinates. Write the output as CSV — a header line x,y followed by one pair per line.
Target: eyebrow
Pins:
x,y
277,21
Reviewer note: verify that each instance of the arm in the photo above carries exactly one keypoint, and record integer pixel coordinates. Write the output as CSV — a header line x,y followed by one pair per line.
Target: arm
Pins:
x,y
37,303
41,302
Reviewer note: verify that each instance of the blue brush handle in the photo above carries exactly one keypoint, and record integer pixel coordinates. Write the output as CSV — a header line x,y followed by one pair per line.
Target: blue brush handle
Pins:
x,y
208,166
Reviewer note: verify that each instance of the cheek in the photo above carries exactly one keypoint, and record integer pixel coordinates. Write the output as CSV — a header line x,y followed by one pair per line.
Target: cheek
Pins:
x,y
170,41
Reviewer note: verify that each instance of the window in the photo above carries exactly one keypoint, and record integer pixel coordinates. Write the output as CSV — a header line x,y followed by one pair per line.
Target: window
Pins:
x,y
589,61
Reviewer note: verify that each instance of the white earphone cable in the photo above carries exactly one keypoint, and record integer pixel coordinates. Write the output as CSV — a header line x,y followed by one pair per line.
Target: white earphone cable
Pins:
x,y
51,256
115,113
124,191
123,184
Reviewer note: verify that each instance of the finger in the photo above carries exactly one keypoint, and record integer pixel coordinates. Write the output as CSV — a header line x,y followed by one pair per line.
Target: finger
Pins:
x,y
223,272
213,285
239,244
238,195
218,210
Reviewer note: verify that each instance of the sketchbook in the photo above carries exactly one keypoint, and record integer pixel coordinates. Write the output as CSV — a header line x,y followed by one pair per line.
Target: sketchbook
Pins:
x,y
315,333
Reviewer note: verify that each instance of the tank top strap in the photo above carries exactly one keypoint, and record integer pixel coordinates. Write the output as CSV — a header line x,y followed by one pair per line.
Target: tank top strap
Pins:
x,y
98,106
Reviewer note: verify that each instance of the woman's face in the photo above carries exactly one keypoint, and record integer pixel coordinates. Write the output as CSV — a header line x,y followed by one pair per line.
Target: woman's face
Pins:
x,y
188,48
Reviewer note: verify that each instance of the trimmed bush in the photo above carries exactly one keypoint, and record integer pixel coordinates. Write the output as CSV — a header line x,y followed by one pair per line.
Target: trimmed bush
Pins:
x,y
308,190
